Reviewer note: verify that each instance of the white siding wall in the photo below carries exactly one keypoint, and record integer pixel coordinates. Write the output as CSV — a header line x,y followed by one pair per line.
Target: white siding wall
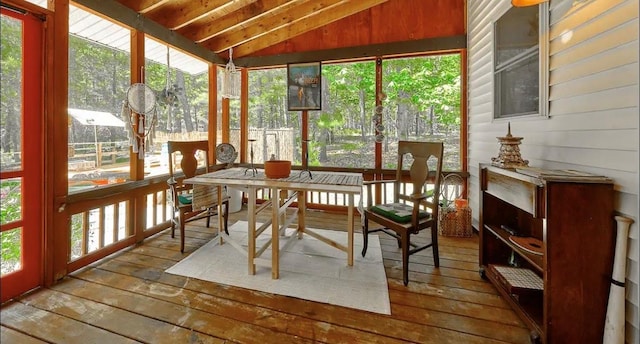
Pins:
x,y
593,105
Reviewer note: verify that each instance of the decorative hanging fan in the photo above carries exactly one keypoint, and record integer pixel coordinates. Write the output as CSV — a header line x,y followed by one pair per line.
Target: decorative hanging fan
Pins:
x,y
140,108
141,98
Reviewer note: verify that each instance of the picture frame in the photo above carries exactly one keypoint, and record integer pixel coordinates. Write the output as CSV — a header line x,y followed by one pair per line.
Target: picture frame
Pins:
x,y
304,91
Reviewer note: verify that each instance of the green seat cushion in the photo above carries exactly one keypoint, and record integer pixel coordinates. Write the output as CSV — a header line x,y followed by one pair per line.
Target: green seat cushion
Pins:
x,y
398,212
185,199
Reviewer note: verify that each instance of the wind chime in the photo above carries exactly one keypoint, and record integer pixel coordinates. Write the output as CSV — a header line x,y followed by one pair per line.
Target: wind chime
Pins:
x,y
139,110
230,79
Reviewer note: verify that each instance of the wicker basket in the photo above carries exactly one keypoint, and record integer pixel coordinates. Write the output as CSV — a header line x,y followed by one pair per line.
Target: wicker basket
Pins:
x,y
455,222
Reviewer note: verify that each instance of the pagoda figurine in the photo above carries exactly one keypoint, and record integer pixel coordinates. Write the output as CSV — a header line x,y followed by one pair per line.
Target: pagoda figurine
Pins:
x,y
509,156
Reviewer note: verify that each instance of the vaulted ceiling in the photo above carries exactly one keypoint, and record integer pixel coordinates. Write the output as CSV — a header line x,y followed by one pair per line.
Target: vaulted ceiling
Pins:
x,y
276,32
247,26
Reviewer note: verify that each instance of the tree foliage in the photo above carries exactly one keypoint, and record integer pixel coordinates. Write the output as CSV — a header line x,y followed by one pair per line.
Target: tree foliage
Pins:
x,y
422,99
11,84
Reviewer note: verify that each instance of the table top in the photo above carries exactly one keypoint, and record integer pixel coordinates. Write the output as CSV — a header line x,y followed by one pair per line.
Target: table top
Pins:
x,y
322,181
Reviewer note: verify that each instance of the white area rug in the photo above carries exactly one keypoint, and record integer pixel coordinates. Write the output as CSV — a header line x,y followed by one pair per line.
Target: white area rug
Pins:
x,y
309,269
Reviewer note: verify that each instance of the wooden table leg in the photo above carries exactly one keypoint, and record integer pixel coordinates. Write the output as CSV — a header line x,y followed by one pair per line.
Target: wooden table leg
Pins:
x,y
350,224
275,234
302,208
220,218
251,230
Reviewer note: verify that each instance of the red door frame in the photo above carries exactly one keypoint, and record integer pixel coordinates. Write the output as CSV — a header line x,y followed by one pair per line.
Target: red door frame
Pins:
x,y
31,274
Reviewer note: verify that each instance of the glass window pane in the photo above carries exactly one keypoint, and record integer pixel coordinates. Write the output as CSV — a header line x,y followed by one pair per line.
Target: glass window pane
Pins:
x,y
516,32
98,148
10,200
11,94
517,66
11,256
181,85
519,89
422,103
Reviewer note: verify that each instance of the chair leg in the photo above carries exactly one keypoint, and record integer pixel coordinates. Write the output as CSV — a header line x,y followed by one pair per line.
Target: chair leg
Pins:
x,y
434,246
209,217
405,257
365,235
226,217
173,225
181,233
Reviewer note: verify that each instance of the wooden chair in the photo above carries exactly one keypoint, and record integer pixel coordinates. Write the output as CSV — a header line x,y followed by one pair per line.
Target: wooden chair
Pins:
x,y
180,195
413,209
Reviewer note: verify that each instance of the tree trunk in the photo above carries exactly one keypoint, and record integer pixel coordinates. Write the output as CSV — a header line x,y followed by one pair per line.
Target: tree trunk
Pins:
x,y
363,115
182,99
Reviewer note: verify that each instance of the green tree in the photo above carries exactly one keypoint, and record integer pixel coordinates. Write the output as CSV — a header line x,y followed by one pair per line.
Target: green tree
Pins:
x,y
10,87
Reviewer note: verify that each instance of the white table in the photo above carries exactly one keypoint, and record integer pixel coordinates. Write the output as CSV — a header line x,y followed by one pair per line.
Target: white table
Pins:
x,y
297,185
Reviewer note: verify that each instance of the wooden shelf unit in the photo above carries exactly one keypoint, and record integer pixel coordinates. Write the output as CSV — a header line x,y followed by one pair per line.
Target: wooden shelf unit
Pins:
x,y
574,220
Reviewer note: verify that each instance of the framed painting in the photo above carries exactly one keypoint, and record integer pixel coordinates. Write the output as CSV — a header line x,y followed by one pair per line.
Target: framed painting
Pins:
x,y
303,86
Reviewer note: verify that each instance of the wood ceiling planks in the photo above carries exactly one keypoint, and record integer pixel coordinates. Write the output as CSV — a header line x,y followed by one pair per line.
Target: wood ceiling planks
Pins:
x,y
245,25
143,6
180,13
266,25
314,20
208,27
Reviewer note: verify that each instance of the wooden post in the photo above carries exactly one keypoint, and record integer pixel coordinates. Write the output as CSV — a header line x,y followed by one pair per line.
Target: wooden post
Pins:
x,y
138,206
378,145
58,86
212,119
304,135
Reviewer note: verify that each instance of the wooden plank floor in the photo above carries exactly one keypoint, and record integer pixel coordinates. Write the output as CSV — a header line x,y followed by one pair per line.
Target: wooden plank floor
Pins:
x,y
128,298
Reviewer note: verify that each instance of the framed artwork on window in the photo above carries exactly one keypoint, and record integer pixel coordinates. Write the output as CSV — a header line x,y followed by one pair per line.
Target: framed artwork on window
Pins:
x,y
304,86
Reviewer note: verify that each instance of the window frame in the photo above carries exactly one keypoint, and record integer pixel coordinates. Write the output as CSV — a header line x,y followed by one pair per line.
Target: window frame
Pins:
x,y
542,49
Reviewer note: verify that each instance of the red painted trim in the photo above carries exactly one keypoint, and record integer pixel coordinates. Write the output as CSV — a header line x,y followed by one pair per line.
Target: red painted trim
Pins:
x,y
31,274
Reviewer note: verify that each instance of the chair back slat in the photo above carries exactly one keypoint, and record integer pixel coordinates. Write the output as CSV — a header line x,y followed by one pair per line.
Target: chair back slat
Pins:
x,y
188,150
420,153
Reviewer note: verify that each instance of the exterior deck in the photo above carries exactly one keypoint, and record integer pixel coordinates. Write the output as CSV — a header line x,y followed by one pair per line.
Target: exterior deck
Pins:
x,y
128,298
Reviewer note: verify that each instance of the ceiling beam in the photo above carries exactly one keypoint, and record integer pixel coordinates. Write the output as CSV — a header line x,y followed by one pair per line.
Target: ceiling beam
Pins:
x,y
130,18
438,44
209,26
179,13
268,24
318,18
143,6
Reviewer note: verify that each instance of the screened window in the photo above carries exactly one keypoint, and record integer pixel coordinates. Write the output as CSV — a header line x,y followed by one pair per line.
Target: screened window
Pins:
x,y
422,102
181,85
275,130
342,134
99,74
519,63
